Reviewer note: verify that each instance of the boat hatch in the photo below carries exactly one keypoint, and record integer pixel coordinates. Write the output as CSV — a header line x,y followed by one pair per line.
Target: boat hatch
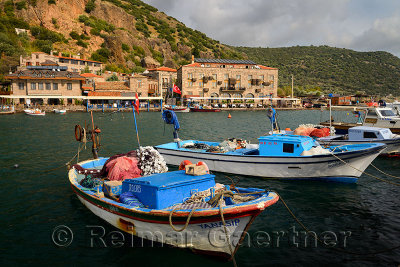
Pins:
x,y
285,145
363,132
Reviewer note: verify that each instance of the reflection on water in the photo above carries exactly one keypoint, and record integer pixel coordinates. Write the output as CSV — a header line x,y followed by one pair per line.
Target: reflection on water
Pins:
x,y
34,202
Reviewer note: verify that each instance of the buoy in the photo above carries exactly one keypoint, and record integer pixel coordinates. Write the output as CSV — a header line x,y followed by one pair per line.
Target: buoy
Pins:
x,y
184,163
288,129
16,166
205,165
229,116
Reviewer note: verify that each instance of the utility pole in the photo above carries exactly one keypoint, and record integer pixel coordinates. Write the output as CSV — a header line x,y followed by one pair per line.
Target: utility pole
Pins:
x,y
292,85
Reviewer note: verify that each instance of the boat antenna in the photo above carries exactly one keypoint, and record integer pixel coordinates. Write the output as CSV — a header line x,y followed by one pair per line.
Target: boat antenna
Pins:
x,y
170,118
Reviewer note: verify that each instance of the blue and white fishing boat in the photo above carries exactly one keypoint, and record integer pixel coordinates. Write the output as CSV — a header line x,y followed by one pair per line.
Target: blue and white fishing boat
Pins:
x,y
275,156
162,208
364,135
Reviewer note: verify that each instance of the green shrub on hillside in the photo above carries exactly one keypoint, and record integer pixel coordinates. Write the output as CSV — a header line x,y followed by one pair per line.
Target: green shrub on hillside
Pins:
x,y
125,47
90,6
42,33
97,24
20,5
101,54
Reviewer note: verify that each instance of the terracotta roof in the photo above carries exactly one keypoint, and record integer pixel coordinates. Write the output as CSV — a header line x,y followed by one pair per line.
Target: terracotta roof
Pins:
x,y
89,75
104,93
87,87
45,75
266,68
163,69
193,65
111,86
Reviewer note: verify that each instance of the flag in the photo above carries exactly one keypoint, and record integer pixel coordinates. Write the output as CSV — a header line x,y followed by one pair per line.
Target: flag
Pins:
x,y
136,104
176,89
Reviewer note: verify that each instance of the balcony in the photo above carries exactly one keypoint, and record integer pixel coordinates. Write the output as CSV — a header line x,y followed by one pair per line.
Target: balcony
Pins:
x,y
152,91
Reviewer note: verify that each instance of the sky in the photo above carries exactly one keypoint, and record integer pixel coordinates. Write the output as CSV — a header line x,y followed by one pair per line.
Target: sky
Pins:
x,y
361,25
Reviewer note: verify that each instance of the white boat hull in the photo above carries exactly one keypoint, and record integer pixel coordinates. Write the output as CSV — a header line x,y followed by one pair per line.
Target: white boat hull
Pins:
x,y
325,167
208,238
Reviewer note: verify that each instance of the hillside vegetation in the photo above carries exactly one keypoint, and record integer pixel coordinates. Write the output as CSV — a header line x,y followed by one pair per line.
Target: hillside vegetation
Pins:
x,y
331,70
126,35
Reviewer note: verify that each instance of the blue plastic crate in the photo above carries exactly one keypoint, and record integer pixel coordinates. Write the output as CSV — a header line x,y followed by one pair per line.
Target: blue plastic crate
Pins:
x,y
163,190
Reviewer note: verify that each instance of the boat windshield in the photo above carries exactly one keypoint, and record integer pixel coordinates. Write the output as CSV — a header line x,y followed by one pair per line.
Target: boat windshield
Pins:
x,y
387,113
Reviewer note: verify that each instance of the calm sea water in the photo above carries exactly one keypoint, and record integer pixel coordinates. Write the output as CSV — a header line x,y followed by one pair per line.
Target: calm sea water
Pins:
x,y
364,217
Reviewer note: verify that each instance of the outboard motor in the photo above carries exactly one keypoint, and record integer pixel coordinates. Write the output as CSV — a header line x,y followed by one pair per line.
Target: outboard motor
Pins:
x,y
170,118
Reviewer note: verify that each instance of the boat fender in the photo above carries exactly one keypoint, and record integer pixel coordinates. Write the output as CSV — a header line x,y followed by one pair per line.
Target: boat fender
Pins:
x,y
205,165
183,164
78,133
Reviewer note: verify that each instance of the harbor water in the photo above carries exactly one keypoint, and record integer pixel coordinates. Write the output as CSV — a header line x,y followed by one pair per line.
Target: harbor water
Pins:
x,y
354,220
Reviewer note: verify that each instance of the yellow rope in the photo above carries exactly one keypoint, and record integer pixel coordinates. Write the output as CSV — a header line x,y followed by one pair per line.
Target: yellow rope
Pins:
x,y
320,241
364,172
384,172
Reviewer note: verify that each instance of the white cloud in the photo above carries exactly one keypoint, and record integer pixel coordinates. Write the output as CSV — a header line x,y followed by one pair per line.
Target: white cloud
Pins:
x,y
356,24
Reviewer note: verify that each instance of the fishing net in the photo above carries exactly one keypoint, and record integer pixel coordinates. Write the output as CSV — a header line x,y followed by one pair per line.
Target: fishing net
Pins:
x,y
150,161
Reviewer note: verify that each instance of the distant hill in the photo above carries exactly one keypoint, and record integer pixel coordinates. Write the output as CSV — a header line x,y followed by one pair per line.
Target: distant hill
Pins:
x,y
124,34
331,69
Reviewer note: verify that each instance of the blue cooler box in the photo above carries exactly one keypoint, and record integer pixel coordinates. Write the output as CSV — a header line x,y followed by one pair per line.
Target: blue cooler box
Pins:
x,y
159,191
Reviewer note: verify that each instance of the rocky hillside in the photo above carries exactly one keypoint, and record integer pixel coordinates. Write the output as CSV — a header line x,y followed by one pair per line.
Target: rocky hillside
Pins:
x,y
127,35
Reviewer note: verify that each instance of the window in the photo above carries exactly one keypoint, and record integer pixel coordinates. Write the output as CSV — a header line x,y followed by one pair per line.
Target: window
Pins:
x,y
214,84
369,135
238,82
40,86
37,56
226,76
74,61
249,79
288,148
214,77
33,86
69,86
387,113
262,80
190,76
139,83
21,86
55,86
48,86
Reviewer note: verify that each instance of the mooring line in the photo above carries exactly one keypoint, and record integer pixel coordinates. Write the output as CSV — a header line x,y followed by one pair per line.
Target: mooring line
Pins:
x,y
320,241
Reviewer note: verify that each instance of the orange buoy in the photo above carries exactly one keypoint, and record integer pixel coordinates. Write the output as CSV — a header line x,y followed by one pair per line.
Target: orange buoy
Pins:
x,y
205,165
229,116
184,163
287,129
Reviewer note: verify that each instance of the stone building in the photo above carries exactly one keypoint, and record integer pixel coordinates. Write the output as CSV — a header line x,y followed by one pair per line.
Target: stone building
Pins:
x,y
226,78
75,64
145,86
165,77
45,86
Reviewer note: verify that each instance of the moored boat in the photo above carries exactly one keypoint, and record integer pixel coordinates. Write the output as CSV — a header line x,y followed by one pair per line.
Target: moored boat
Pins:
x,y
381,117
204,109
60,111
177,108
276,156
159,208
365,134
34,112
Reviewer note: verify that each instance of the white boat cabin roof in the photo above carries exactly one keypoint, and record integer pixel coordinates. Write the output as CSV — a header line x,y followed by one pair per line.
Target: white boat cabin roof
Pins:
x,y
366,132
